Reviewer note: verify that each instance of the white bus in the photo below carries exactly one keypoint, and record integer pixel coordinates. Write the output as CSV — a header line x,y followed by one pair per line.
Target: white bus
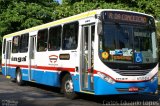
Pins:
x,y
100,52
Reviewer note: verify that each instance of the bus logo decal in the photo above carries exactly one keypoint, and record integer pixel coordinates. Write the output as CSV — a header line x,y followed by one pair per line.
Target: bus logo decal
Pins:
x,y
53,58
19,59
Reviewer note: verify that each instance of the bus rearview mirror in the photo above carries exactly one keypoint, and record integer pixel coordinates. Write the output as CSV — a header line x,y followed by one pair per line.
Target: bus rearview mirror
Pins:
x,y
99,28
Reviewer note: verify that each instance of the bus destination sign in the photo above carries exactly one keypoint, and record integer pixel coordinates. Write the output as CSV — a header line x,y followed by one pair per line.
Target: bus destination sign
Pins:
x,y
125,17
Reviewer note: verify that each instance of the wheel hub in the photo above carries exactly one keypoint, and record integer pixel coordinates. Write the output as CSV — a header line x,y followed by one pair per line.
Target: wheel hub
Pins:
x,y
18,77
69,86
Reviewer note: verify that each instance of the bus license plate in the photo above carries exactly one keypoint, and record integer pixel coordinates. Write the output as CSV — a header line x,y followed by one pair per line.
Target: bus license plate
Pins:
x,y
133,89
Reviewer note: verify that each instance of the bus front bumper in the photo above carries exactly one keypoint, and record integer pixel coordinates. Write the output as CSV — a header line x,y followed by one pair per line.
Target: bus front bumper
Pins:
x,y
102,87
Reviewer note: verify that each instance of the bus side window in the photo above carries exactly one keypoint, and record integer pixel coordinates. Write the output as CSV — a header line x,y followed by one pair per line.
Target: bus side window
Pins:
x,y
70,36
54,38
15,44
24,43
4,46
42,40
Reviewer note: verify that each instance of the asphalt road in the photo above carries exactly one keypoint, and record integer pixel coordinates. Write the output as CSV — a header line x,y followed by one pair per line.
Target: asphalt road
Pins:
x,y
39,95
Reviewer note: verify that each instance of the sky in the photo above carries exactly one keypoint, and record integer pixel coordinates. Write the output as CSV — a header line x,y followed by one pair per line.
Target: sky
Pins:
x,y
60,1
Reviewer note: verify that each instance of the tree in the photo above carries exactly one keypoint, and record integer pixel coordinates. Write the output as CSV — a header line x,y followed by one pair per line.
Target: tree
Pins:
x,y
158,37
16,15
158,28
22,14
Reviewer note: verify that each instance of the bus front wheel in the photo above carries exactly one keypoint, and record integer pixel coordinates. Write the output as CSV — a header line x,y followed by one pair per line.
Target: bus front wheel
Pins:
x,y
67,87
19,77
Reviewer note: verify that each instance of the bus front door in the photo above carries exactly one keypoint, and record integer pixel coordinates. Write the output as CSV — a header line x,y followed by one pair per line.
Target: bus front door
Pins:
x,y
7,58
87,60
32,57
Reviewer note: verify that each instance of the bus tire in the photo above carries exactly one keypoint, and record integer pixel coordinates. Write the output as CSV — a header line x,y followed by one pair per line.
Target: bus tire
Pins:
x,y
19,80
67,87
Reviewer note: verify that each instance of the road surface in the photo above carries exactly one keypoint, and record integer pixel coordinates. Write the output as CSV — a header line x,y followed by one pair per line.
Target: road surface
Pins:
x,y
39,95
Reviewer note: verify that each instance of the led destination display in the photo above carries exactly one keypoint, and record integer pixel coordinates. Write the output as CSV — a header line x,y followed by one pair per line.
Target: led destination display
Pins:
x,y
126,17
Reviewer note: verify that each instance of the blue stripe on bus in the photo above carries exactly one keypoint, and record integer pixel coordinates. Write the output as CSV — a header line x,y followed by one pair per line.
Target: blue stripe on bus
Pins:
x,y
11,71
47,78
76,84
101,87
3,69
42,77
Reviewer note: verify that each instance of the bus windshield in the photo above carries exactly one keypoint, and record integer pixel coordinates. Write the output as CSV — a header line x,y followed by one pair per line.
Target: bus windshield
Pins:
x,y
127,43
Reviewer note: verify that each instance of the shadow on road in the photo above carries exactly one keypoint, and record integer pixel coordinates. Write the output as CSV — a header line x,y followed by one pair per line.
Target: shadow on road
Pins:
x,y
118,99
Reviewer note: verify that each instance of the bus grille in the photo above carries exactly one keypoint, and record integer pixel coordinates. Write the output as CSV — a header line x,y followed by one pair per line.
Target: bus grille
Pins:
x,y
132,72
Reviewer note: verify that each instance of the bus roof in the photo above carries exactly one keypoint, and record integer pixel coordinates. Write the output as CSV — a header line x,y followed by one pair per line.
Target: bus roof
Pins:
x,y
65,20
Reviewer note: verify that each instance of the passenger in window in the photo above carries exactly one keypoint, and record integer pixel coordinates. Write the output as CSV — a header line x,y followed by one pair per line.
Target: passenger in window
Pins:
x,y
15,45
70,41
42,45
66,40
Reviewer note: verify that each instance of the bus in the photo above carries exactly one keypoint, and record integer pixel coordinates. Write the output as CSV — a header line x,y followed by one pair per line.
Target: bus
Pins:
x,y
98,52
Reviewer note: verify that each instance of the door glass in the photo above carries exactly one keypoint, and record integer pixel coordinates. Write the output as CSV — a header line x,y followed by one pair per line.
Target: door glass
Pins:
x,y
32,47
4,46
8,53
85,58
92,54
32,56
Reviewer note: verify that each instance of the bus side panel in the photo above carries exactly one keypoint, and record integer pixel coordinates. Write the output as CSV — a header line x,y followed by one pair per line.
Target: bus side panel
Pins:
x,y
12,72
3,70
37,75
76,84
25,74
51,78
46,77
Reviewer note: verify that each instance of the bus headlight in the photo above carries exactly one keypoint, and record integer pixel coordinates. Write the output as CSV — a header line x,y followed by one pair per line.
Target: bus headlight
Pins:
x,y
154,78
106,78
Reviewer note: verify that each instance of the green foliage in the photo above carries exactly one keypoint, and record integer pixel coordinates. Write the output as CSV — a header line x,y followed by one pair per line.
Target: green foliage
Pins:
x,y
16,15
69,7
158,37
22,14
79,7
158,28
147,6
